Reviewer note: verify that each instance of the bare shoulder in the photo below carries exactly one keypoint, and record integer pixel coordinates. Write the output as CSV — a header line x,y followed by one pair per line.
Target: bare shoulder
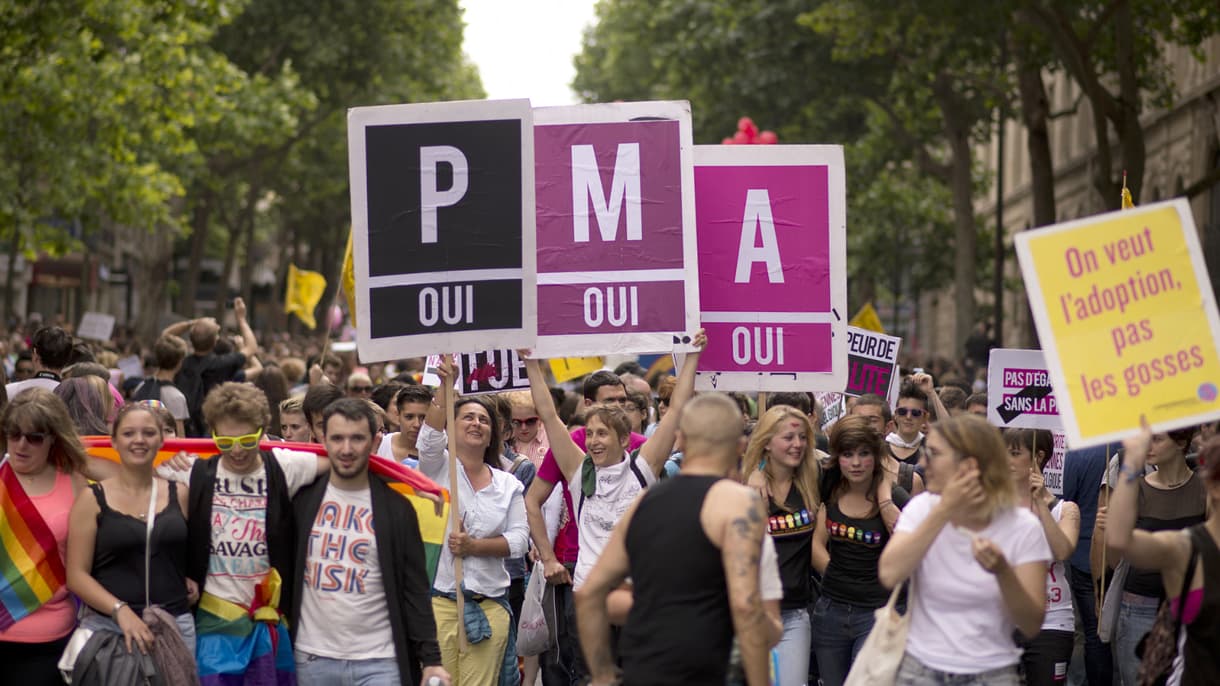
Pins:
x,y
730,505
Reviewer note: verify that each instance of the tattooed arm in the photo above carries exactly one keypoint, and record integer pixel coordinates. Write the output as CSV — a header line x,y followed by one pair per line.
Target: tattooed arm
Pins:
x,y
733,518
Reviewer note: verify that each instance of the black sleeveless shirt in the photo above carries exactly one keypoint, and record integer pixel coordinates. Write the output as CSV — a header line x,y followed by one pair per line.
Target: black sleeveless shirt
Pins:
x,y
1165,509
680,628
855,547
118,555
791,530
1202,649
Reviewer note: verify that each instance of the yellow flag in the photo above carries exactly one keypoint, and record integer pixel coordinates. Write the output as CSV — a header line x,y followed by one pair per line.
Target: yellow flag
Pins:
x,y
1128,202
867,318
348,279
568,368
305,289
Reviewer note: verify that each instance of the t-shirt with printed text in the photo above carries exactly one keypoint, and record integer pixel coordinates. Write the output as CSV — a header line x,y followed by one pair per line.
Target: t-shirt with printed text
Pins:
x,y
343,604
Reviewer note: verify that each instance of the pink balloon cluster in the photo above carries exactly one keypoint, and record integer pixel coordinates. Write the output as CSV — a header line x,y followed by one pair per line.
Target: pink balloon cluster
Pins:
x,y
748,134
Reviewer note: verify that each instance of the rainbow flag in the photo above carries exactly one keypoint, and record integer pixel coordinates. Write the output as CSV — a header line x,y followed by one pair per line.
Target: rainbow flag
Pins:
x,y
31,570
431,502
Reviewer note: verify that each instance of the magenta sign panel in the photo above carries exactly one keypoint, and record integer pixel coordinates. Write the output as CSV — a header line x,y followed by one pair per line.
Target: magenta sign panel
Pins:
x,y
772,273
615,245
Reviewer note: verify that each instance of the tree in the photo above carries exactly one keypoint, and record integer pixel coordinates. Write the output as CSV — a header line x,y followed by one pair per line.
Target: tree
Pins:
x,y
754,57
938,99
1112,48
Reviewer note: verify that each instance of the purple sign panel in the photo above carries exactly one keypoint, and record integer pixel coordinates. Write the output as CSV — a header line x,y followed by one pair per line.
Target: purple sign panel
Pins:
x,y
772,267
615,246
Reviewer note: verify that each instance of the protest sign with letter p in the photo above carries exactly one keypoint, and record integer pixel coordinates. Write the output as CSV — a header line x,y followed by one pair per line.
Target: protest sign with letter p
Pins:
x,y
443,227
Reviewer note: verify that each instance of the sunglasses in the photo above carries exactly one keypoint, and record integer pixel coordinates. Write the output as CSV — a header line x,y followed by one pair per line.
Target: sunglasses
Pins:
x,y
528,421
249,441
31,437
904,411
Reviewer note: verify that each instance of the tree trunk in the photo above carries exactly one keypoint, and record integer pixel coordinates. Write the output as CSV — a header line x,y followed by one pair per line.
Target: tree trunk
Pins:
x,y
201,218
222,291
148,275
965,238
1130,132
14,247
1035,114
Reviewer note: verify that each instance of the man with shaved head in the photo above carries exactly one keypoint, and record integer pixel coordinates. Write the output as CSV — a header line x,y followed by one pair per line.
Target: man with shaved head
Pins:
x,y
681,624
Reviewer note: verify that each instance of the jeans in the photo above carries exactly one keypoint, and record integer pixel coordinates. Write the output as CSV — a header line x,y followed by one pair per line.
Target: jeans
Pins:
x,y
793,648
315,670
186,627
912,672
1135,618
1098,660
839,631
563,664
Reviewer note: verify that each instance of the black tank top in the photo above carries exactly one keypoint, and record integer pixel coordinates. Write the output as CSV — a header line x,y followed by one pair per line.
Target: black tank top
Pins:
x,y
118,555
1160,509
855,548
680,627
1202,649
792,532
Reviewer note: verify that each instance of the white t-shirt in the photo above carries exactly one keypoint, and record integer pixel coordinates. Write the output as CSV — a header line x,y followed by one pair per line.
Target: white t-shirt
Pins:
x,y
770,586
386,448
343,606
1059,614
959,623
175,402
617,486
238,557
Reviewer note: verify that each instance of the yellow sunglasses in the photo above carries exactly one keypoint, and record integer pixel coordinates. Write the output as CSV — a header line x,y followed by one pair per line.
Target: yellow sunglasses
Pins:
x,y
249,441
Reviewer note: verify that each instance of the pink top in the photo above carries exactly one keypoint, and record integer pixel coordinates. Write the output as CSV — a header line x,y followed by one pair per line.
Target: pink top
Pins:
x,y
1194,603
57,617
567,542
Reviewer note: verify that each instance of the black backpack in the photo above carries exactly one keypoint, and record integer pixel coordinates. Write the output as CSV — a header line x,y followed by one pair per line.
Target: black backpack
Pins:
x,y
150,389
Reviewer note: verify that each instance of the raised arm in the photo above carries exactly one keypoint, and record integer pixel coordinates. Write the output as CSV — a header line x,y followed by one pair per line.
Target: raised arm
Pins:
x,y
661,444
924,382
178,328
1063,534
435,417
1162,550
249,340
567,454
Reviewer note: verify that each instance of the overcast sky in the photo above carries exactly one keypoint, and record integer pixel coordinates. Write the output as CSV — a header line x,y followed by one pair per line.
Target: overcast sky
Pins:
x,y
524,48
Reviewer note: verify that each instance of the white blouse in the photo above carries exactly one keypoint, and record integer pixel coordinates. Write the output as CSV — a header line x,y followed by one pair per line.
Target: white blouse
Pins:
x,y
496,510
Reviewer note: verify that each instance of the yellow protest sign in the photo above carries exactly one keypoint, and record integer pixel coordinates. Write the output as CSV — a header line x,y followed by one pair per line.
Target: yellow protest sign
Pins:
x,y
567,368
1125,310
867,318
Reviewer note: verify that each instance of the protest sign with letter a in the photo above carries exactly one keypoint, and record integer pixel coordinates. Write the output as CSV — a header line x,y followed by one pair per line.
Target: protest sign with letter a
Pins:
x,y
442,227
872,364
771,224
1019,392
616,230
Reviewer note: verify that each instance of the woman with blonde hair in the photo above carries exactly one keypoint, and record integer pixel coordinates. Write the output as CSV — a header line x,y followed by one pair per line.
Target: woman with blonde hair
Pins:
x,y
781,450
977,562
40,477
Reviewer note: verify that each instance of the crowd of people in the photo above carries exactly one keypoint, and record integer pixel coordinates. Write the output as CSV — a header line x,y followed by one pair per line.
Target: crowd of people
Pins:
x,y
684,538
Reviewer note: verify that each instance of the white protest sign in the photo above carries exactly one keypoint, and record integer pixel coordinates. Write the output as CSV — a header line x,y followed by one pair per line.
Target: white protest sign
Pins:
x,y
96,326
1019,392
443,227
872,364
771,226
490,371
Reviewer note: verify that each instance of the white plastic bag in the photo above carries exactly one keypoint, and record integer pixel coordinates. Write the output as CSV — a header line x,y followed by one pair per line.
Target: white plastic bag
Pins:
x,y
532,638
